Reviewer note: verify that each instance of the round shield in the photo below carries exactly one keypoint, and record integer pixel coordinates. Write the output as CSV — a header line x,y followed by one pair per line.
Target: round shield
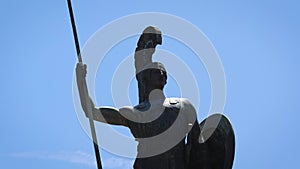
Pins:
x,y
212,147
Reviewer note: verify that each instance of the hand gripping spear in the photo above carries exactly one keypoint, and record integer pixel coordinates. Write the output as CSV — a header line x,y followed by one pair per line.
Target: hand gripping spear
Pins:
x,y
85,90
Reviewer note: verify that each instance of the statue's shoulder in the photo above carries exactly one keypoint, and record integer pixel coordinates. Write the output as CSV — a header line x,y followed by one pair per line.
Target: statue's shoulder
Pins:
x,y
173,102
187,105
178,102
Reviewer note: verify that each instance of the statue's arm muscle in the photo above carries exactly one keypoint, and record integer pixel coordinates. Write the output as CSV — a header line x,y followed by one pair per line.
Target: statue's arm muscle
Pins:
x,y
109,115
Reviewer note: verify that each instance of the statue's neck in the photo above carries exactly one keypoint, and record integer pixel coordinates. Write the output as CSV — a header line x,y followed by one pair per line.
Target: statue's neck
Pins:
x,y
156,96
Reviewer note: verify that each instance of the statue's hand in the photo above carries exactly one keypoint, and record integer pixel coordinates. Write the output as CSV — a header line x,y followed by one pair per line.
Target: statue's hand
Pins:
x,y
81,70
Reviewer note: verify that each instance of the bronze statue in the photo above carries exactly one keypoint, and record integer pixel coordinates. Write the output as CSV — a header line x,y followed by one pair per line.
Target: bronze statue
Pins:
x,y
155,114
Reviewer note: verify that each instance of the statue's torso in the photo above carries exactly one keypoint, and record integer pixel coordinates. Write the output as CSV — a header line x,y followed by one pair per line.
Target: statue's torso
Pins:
x,y
169,158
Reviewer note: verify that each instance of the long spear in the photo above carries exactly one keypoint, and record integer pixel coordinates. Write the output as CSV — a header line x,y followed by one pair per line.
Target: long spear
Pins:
x,y
85,90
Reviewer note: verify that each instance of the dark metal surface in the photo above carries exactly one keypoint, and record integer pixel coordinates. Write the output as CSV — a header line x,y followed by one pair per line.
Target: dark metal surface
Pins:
x,y
217,151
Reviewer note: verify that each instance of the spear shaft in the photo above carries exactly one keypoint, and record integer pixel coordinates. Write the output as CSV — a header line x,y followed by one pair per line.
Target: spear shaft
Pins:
x,y
85,90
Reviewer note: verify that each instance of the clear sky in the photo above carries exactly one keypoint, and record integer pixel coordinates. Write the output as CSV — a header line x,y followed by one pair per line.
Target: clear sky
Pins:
x,y
257,42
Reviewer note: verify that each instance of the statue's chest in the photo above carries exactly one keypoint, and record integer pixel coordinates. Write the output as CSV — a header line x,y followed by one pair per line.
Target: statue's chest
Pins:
x,y
157,126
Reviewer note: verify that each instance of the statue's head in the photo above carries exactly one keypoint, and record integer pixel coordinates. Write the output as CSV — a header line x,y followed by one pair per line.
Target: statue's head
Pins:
x,y
150,37
153,76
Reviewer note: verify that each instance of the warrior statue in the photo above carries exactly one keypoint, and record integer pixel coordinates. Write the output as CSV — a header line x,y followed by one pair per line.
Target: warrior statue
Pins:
x,y
155,114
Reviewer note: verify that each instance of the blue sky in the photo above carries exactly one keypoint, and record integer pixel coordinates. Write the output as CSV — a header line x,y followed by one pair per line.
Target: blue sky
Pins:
x,y
257,41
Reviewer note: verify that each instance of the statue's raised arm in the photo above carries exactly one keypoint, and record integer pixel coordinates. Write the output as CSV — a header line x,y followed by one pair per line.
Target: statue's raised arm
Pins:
x,y
108,115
